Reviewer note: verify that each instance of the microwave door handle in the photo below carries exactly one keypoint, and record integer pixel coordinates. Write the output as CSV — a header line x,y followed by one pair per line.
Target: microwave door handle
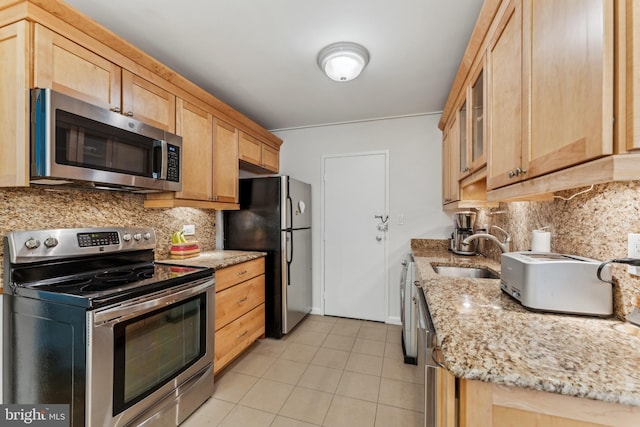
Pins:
x,y
159,156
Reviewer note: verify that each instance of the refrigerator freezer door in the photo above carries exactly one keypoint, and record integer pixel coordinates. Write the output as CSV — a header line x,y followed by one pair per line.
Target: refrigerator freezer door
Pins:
x,y
296,275
298,205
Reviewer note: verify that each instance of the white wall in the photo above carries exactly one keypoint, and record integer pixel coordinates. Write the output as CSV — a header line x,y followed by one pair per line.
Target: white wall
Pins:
x,y
415,182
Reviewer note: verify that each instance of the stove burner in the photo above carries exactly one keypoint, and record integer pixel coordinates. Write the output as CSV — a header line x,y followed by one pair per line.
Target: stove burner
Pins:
x,y
114,274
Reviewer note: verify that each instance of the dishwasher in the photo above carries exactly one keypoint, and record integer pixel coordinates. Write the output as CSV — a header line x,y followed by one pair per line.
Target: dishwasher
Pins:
x,y
430,359
408,311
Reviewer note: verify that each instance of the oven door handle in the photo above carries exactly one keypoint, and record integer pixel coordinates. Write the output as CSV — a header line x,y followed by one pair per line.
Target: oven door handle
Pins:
x,y
146,304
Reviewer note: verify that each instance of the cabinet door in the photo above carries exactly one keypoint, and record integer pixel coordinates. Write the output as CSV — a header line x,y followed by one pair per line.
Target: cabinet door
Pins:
x,y
464,165
250,149
225,162
504,99
147,102
571,82
66,67
14,105
450,146
270,158
196,128
477,128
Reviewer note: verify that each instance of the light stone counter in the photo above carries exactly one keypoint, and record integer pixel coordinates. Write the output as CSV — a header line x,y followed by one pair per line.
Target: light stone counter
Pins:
x,y
216,259
486,335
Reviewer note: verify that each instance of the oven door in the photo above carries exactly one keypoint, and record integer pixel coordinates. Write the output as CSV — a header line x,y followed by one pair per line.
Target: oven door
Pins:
x,y
151,359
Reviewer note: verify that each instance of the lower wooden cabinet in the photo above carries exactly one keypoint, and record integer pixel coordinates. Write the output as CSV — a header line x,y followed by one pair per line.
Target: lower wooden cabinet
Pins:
x,y
240,313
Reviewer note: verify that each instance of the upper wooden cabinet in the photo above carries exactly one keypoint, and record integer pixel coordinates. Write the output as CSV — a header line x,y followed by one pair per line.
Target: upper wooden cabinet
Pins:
x,y
225,162
147,102
471,125
258,156
450,156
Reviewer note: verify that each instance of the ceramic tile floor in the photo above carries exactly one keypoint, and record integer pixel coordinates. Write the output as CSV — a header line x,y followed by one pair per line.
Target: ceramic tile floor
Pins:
x,y
328,372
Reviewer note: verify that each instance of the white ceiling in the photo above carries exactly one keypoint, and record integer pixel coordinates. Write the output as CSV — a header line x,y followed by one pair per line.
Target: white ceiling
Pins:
x,y
259,56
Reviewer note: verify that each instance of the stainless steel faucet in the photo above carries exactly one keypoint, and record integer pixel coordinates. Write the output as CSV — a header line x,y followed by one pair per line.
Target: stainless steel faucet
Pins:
x,y
505,245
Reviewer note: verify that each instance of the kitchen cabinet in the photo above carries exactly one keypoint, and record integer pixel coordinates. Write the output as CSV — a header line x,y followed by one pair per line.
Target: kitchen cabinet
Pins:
x,y
240,313
210,148
14,104
69,68
485,405
258,156
471,126
450,146
446,403
505,100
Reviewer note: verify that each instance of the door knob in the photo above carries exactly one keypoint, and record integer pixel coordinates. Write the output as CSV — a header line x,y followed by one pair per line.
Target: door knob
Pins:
x,y
378,238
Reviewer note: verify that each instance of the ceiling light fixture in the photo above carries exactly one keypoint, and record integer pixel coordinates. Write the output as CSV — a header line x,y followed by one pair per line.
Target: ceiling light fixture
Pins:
x,y
343,61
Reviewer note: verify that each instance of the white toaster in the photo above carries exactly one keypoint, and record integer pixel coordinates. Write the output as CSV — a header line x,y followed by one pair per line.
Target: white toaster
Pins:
x,y
557,283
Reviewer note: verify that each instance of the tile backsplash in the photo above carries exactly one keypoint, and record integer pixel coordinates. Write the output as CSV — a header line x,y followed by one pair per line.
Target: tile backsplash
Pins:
x,y
594,225
35,208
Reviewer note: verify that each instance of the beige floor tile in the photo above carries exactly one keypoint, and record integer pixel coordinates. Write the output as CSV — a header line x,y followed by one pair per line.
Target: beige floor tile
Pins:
x,y
374,325
321,378
269,347
364,364
359,386
394,334
299,353
285,371
401,394
247,417
211,413
376,333
281,421
345,329
373,348
388,416
331,358
316,326
310,338
348,412
253,364
339,342
232,386
398,370
393,351
307,405
267,395
319,318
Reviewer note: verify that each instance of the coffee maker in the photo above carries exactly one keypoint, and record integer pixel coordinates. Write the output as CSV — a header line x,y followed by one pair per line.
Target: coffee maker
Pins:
x,y
463,224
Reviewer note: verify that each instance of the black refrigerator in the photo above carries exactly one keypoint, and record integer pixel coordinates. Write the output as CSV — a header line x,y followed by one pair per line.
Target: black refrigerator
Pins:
x,y
275,217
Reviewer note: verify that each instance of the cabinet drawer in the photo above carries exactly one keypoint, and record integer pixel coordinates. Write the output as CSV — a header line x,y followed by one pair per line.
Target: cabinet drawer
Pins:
x,y
238,273
234,338
235,301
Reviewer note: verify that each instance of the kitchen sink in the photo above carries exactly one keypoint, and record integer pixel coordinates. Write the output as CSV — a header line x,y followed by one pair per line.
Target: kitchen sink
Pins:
x,y
471,272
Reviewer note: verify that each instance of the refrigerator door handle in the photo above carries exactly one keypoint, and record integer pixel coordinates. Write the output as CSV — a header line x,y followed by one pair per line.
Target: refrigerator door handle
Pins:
x,y
289,255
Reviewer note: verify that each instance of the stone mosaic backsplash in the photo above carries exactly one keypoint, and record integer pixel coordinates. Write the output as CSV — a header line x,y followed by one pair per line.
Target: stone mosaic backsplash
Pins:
x,y
35,208
594,225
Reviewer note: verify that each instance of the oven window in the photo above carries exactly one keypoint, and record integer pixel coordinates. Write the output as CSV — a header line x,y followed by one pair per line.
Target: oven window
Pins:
x,y
87,143
153,349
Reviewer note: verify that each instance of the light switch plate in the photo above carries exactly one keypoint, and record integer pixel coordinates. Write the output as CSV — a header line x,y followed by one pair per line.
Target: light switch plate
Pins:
x,y
633,251
189,230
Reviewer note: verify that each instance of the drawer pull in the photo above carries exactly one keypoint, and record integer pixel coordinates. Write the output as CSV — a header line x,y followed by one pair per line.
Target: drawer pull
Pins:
x,y
241,300
242,273
242,334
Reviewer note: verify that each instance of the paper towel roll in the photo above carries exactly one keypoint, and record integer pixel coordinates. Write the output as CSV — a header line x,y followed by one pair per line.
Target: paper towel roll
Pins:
x,y
540,241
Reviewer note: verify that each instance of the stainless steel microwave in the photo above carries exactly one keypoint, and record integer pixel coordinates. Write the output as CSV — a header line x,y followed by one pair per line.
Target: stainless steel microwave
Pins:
x,y
79,144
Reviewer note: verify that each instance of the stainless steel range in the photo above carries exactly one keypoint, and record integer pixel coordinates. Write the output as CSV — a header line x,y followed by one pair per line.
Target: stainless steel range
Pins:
x,y
90,320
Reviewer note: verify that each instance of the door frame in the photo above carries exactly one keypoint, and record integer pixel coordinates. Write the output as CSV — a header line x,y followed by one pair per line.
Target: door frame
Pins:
x,y
323,225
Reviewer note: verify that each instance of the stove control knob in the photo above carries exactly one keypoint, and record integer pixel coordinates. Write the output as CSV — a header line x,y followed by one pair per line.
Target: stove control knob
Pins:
x,y
137,237
32,243
146,236
126,237
51,242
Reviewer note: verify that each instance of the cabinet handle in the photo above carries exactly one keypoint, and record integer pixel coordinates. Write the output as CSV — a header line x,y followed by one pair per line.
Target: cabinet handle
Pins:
x,y
129,114
242,273
115,109
466,169
520,171
242,334
241,300
512,174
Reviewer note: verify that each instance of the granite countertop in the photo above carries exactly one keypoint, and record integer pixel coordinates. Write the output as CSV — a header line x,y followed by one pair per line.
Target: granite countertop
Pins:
x,y
486,335
216,259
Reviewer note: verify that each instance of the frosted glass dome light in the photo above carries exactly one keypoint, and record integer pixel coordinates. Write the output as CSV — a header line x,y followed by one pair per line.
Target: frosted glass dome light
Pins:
x,y
343,61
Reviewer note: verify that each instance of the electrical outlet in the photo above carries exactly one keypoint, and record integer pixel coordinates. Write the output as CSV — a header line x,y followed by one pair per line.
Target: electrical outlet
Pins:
x,y
189,230
633,251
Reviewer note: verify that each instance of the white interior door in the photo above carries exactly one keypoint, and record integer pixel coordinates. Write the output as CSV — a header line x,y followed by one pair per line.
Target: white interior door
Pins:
x,y
355,236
